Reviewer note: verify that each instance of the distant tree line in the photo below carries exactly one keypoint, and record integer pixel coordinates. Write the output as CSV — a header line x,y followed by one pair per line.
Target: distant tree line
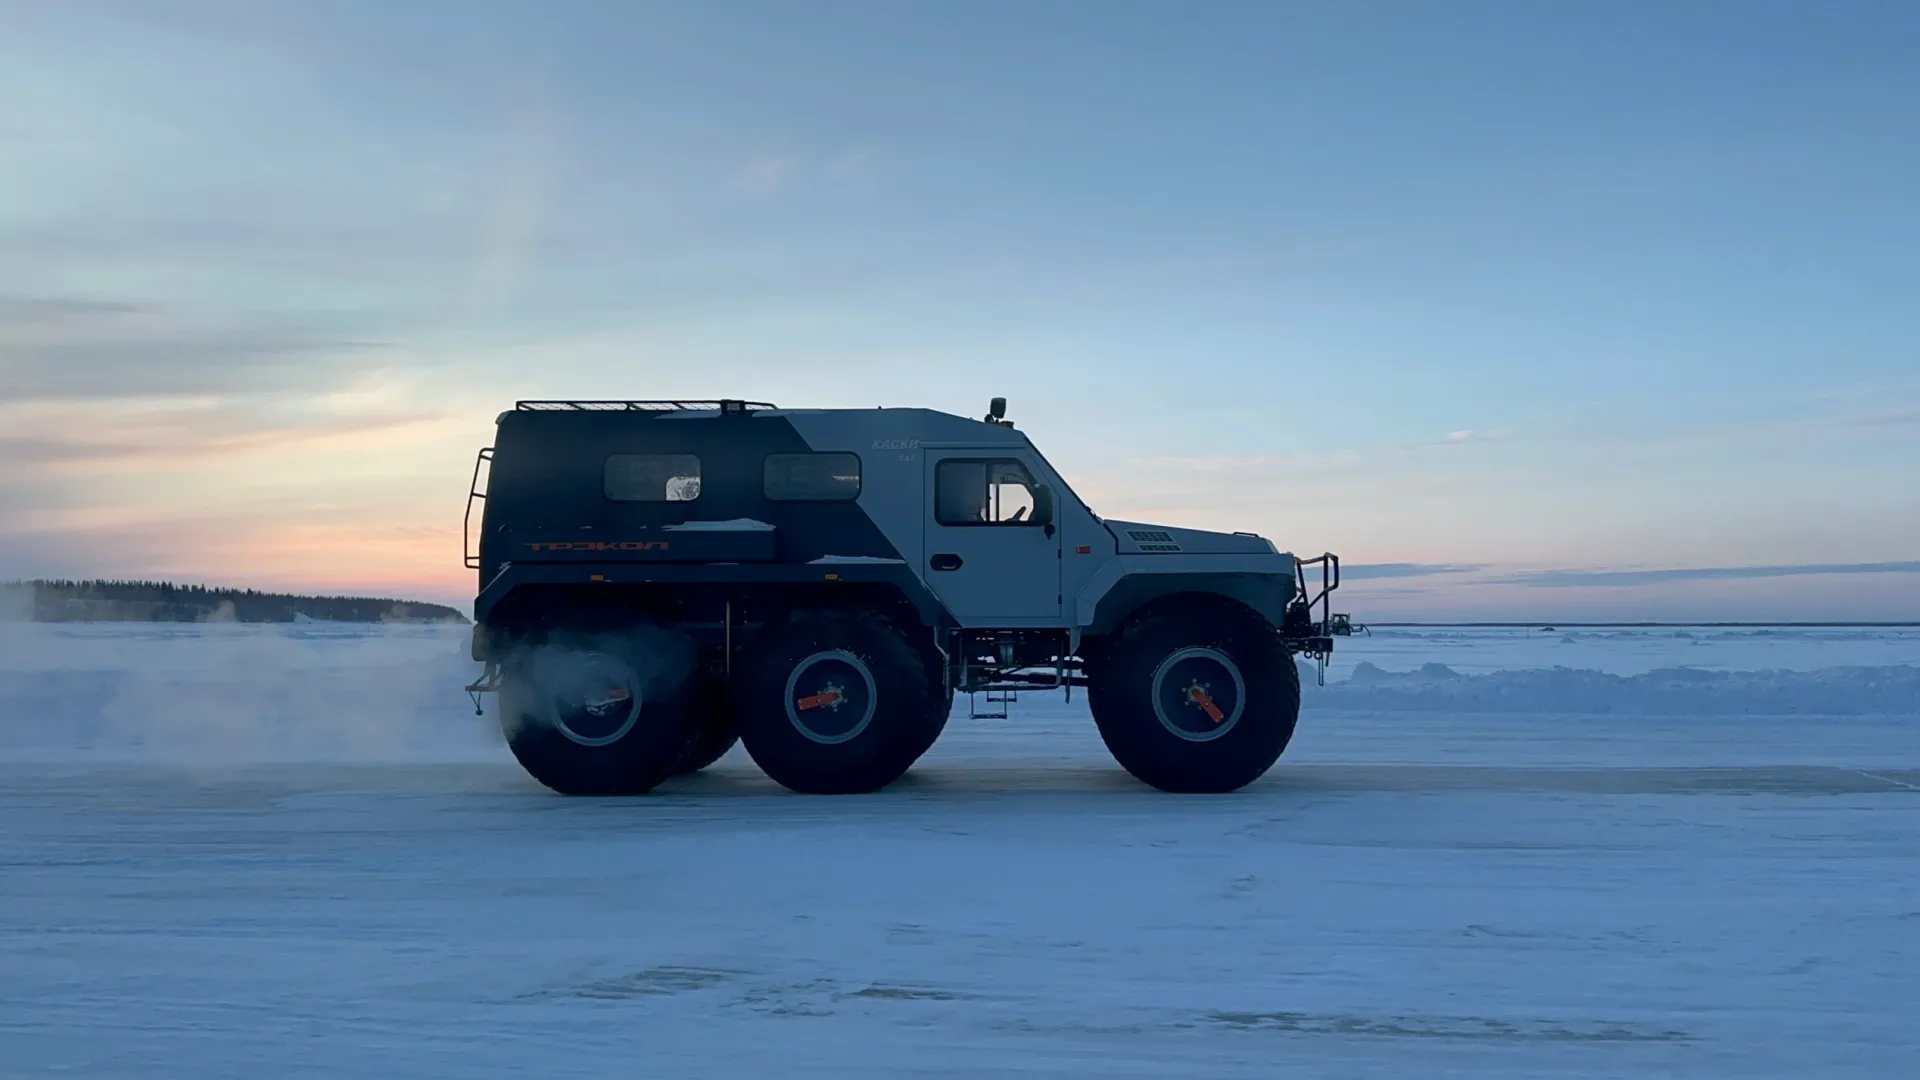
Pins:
x,y
163,601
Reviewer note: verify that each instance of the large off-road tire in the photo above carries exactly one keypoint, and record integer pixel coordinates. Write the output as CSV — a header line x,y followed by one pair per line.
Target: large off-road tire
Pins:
x,y
1196,700
942,699
1093,654
833,703
715,731
601,714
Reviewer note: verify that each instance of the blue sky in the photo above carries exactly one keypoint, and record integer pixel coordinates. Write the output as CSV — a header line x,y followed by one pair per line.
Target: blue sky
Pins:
x,y
1513,302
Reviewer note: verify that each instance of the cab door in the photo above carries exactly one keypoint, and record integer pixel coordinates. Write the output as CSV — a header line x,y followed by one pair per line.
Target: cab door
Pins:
x,y
986,557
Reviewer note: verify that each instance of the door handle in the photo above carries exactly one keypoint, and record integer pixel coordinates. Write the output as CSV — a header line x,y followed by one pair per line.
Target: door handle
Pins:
x,y
945,561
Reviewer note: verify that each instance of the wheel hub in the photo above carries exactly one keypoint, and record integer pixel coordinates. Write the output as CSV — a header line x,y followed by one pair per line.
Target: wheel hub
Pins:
x,y
831,696
1198,694
596,698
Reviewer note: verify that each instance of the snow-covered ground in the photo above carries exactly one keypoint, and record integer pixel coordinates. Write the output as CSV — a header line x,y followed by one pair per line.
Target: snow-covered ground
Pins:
x,y
1631,651
247,852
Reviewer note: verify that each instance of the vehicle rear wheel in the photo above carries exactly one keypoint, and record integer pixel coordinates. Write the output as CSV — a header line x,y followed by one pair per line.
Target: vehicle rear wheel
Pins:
x,y
1196,700
835,703
603,714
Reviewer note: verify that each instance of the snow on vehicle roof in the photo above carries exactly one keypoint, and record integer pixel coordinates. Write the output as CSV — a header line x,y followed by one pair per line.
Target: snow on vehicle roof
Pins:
x,y
732,525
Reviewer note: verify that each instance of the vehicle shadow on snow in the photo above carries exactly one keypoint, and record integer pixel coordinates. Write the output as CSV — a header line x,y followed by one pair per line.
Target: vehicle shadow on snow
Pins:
x,y
1100,783
956,781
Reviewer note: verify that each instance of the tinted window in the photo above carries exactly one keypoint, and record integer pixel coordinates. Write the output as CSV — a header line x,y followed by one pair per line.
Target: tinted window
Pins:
x,y
652,478
812,477
978,492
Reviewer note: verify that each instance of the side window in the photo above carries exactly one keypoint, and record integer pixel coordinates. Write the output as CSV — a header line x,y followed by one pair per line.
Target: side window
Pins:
x,y
811,477
982,492
652,478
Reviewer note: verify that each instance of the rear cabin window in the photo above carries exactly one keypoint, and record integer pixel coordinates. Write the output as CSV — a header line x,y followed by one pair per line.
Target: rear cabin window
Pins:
x,y
812,477
652,478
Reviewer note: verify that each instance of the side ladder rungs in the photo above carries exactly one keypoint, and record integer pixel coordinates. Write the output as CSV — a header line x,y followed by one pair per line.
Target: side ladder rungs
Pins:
x,y
1000,697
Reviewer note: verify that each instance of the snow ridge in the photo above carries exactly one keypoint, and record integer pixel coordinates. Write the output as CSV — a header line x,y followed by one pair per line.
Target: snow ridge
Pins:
x,y
1674,691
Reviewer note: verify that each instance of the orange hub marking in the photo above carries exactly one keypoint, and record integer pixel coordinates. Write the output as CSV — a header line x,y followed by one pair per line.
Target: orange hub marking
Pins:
x,y
1206,704
814,701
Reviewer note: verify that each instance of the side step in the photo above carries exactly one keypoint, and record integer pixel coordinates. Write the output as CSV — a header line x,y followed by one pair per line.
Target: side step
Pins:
x,y
1003,698
1001,693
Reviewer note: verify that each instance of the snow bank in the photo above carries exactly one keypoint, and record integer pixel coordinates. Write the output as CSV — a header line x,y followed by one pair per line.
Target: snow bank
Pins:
x,y
1674,691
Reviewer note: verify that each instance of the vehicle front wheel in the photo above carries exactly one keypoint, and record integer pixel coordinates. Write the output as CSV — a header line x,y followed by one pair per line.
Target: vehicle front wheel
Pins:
x,y
1196,700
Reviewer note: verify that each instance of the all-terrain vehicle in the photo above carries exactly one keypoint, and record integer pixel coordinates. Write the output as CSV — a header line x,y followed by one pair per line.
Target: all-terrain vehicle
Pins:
x,y
660,578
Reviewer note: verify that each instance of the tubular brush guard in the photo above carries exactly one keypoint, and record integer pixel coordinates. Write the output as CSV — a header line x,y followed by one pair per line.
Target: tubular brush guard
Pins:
x,y
1302,632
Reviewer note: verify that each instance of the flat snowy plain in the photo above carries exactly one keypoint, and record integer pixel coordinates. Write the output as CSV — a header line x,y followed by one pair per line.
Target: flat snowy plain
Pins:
x,y
251,852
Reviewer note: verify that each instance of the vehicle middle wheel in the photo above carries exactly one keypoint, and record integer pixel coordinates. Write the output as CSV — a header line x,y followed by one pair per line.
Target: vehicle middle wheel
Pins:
x,y
836,703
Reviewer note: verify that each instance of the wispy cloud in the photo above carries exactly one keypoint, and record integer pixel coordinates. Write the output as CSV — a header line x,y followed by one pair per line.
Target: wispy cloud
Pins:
x,y
1459,437
1467,435
1897,416
1312,460
87,348
138,436
18,312
530,152
304,545
768,175
188,436
1226,463
1627,578
763,177
852,164
1371,571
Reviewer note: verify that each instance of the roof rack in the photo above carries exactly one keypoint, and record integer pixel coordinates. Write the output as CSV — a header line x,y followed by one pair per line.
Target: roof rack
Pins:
x,y
718,405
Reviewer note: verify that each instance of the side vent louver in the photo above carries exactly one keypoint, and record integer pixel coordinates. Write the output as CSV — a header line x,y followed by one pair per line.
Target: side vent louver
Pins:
x,y
1153,540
